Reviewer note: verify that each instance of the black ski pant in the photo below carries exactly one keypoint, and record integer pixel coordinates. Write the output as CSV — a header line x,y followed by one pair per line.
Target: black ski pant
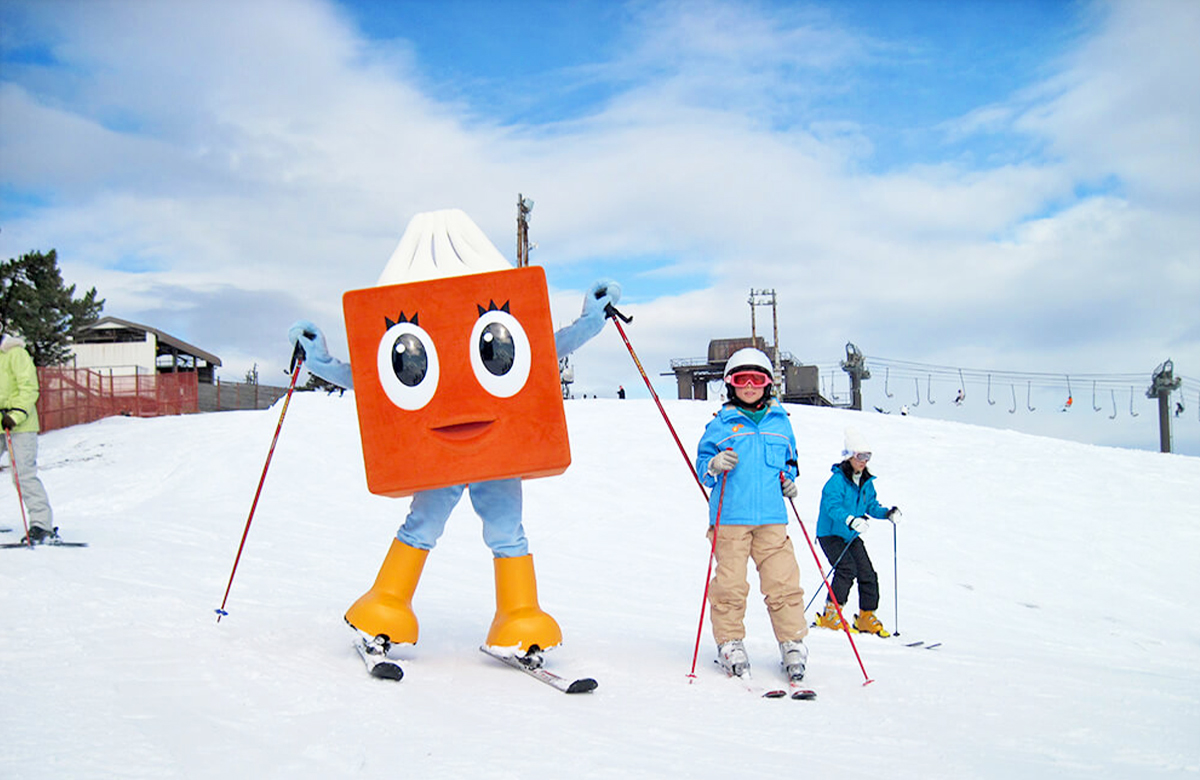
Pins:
x,y
853,564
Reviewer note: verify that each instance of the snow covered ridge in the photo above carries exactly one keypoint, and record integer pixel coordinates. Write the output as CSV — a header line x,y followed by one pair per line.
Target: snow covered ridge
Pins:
x,y
1057,575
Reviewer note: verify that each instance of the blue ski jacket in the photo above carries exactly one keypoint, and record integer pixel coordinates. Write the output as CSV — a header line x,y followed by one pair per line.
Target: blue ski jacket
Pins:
x,y
841,499
753,495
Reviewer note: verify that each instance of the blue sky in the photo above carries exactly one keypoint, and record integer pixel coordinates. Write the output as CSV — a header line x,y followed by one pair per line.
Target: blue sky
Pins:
x,y
1009,187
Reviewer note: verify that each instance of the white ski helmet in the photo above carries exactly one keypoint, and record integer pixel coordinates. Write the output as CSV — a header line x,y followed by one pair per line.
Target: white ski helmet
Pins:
x,y
749,357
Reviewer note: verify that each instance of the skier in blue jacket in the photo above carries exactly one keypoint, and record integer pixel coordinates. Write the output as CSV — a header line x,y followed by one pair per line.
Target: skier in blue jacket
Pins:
x,y
750,446
847,502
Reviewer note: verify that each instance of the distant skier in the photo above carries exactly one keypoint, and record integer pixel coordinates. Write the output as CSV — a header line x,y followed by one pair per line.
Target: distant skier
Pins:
x,y
751,442
847,501
621,392
18,416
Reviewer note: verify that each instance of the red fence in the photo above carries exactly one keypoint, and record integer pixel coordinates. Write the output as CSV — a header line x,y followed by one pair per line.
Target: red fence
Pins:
x,y
70,396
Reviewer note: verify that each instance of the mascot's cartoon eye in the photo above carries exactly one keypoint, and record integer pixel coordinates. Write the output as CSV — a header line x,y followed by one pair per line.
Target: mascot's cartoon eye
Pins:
x,y
500,353
408,367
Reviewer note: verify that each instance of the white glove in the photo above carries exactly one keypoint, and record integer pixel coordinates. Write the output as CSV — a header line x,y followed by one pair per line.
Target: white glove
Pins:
x,y
894,514
857,524
723,461
789,488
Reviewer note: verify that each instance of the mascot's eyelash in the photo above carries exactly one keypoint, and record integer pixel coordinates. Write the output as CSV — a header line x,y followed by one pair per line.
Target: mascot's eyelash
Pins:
x,y
402,318
493,307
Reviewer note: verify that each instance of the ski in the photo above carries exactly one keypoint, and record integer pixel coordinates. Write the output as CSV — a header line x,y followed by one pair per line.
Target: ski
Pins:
x,y
14,545
747,682
923,645
799,692
532,666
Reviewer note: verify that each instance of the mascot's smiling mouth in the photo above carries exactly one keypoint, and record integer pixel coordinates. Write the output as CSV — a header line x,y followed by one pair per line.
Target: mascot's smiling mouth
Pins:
x,y
461,431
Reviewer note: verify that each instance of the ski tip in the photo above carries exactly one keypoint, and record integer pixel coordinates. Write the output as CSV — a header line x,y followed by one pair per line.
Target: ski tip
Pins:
x,y
775,694
387,670
586,685
804,695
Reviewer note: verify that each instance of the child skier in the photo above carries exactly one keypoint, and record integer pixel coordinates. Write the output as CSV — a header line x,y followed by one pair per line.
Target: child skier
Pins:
x,y
847,501
750,448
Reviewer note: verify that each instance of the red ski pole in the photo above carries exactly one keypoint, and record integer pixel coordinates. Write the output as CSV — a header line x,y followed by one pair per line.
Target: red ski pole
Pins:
x,y
12,461
832,597
297,362
708,577
617,317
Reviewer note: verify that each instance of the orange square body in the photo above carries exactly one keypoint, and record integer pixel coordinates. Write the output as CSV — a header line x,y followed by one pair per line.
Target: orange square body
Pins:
x,y
456,381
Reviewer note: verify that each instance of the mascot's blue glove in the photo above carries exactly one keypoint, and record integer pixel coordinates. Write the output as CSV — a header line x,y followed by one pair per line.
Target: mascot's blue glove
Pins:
x,y
599,296
316,354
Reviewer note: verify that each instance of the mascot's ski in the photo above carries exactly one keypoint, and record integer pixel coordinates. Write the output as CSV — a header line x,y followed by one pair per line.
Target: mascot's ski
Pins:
x,y
532,666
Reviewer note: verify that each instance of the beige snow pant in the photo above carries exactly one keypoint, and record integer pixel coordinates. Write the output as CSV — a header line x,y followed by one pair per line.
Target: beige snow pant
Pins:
x,y
778,576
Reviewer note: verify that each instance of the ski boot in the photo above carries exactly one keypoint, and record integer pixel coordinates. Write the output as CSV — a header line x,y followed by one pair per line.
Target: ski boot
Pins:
x,y
829,618
795,656
39,535
731,656
867,623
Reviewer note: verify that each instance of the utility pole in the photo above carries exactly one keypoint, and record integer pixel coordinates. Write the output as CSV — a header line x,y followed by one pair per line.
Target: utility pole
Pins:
x,y
767,298
524,206
855,366
1162,383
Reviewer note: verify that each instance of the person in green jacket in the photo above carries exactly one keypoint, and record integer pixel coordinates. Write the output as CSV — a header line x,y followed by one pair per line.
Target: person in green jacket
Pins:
x,y
18,416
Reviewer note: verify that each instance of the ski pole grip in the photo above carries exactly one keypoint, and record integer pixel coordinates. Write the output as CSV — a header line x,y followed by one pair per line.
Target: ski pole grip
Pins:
x,y
297,357
610,311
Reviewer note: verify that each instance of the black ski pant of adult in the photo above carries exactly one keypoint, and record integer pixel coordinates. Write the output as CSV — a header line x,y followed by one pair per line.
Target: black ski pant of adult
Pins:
x,y
853,564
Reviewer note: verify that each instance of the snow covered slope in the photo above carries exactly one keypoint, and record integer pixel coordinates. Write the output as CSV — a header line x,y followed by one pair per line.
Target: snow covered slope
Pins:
x,y
1059,577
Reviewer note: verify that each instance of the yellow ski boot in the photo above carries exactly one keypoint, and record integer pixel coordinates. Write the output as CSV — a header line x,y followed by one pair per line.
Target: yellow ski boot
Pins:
x,y
829,618
867,623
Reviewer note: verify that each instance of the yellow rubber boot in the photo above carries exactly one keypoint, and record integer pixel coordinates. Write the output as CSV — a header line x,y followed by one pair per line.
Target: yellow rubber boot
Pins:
x,y
867,623
519,621
387,607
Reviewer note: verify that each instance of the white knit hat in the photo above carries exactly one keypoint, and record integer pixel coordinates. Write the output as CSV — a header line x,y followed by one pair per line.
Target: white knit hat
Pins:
x,y
855,442
439,244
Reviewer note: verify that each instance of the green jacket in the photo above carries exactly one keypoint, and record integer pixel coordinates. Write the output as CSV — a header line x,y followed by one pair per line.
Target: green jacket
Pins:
x,y
18,383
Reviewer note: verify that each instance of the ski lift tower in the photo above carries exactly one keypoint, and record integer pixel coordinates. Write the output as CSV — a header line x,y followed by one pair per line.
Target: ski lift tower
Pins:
x,y
1162,383
855,366
524,206
767,298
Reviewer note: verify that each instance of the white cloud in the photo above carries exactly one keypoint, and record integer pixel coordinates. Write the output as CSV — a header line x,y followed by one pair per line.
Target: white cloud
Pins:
x,y
223,153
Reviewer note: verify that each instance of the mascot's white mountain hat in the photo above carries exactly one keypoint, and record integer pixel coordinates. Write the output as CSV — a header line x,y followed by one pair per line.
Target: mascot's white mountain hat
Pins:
x,y
440,244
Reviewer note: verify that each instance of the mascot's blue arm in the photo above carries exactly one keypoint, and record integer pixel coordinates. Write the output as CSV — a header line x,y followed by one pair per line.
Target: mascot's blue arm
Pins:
x,y
320,363
591,322
316,355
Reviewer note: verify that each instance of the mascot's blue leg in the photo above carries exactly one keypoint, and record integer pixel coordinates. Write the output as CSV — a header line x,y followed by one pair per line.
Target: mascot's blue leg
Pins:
x,y
520,624
498,503
427,516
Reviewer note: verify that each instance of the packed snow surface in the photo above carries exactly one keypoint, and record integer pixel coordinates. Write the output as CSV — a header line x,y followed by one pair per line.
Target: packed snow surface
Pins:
x,y
1060,578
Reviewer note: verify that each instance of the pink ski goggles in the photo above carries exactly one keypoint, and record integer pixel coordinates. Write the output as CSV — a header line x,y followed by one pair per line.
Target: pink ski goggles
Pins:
x,y
748,379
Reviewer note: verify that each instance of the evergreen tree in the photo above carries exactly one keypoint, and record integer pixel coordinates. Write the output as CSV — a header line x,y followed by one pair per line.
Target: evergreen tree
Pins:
x,y
36,304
